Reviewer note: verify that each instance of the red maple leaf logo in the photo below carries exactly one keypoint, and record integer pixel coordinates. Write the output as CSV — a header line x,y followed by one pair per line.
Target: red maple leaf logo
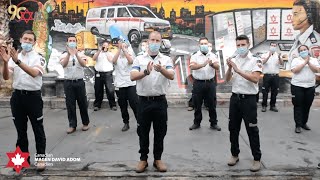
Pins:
x,y
18,160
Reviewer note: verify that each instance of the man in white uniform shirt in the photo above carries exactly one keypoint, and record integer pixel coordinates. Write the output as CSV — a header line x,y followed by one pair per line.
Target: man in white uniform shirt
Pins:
x,y
152,71
244,71
271,67
203,65
103,77
125,88
73,62
27,68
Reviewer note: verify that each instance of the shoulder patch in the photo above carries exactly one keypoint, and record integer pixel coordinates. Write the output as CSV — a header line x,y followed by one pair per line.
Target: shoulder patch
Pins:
x,y
194,53
42,61
312,38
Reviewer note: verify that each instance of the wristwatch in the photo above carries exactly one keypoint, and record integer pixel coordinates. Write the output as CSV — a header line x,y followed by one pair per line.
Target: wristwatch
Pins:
x,y
18,62
146,72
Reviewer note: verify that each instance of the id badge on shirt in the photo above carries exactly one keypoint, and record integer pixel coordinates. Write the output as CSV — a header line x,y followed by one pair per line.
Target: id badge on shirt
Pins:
x,y
97,75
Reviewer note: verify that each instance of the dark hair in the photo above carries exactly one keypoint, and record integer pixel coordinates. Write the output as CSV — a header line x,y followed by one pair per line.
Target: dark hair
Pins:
x,y
273,43
242,37
105,41
71,36
203,38
29,32
303,46
154,32
312,8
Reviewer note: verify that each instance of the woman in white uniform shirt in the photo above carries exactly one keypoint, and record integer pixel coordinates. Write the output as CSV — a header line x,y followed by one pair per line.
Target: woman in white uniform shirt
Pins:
x,y
303,82
306,14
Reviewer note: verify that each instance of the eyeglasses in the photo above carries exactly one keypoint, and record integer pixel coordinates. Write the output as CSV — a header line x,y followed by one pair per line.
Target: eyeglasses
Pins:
x,y
73,62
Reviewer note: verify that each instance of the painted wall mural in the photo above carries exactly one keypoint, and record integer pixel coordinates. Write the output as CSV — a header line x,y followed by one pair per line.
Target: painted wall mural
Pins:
x,y
181,22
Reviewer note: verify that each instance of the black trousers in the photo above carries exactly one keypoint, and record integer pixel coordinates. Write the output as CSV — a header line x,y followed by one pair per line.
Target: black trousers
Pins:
x,y
204,91
26,105
190,102
302,99
126,94
152,110
244,107
75,91
270,81
105,80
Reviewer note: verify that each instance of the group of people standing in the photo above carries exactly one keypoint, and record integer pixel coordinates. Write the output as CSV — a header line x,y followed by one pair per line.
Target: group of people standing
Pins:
x,y
142,83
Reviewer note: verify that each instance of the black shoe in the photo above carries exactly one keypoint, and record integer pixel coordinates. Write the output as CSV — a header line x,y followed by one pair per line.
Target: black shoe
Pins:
x,y
319,166
96,108
194,126
274,109
264,109
126,127
306,127
298,130
216,127
114,108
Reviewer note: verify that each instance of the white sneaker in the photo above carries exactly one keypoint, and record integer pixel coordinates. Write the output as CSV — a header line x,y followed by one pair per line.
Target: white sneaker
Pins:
x,y
256,166
233,161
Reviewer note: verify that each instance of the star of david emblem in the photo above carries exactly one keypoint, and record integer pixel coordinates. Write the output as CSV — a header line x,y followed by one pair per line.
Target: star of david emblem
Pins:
x,y
289,18
273,18
273,30
289,30
26,16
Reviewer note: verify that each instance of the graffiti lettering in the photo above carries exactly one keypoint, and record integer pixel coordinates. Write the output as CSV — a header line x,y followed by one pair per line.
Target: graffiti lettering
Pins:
x,y
14,11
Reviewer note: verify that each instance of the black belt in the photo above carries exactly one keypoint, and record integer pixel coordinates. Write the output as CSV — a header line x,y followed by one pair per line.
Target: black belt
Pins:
x,y
100,72
153,98
25,92
206,80
243,96
271,74
73,80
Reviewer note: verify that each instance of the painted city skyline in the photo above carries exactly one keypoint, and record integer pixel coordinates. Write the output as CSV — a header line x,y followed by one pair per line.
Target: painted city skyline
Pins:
x,y
210,5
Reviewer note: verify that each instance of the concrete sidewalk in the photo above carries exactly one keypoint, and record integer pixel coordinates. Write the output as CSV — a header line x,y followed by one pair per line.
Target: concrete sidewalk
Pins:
x,y
106,152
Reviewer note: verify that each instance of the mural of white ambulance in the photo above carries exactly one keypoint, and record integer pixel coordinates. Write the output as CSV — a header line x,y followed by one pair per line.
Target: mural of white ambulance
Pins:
x,y
135,21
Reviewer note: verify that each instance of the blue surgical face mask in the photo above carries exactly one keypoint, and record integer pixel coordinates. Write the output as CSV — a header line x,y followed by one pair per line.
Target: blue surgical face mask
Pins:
x,y
49,9
26,46
204,48
72,45
154,47
304,54
242,50
273,49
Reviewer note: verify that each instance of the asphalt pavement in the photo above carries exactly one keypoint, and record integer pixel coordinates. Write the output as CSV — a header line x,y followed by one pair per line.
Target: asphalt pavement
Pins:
x,y
104,152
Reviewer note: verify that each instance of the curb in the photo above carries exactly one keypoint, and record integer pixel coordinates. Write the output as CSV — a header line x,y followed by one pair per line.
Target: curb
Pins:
x,y
238,174
223,99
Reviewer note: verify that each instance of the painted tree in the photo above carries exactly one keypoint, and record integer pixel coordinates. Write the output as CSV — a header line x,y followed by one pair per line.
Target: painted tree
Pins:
x,y
5,40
